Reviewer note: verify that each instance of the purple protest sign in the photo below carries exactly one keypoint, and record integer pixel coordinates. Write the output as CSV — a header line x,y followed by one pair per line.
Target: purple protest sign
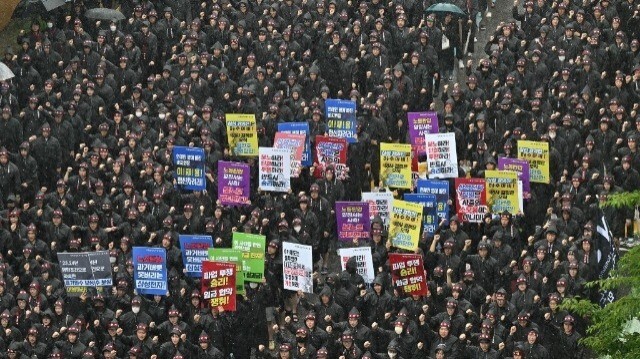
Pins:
x,y
233,183
421,123
353,220
519,166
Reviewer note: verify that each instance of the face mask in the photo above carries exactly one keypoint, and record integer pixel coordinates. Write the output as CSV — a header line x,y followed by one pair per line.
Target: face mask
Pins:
x,y
49,24
392,355
135,310
113,28
297,228
253,285
301,339
398,330
562,58
552,135
161,116
190,113
112,260
138,113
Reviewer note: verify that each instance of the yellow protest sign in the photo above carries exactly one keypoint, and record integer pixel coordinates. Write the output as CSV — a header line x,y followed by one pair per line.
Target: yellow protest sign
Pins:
x,y
395,165
404,230
242,134
537,154
502,191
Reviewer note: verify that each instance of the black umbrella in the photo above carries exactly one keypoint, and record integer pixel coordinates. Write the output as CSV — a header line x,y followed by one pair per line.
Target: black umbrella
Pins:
x,y
104,14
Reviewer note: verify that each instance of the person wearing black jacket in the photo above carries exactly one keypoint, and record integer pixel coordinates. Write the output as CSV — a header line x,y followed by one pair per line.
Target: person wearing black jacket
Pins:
x,y
484,266
204,349
71,348
130,320
140,343
32,347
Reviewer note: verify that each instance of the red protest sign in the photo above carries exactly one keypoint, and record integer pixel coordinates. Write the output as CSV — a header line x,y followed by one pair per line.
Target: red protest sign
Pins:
x,y
219,285
471,199
408,274
330,151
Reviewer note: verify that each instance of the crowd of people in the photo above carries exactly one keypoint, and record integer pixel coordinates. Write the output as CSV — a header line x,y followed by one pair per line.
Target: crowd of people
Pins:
x,y
90,119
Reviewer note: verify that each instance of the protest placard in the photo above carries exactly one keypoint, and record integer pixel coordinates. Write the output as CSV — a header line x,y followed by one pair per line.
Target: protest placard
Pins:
x,y
537,154
253,249
195,250
353,220
379,205
420,124
364,261
234,186
341,119
521,167
471,199
299,128
395,165
84,270
442,159
189,168
430,219
295,145
441,190
150,270
404,230
232,256
275,170
502,191
408,273
330,151
219,285
297,267
242,134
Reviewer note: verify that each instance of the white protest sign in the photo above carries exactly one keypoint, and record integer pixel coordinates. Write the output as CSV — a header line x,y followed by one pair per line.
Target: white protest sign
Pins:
x,y
275,169
364,261
379,205
297,267
442,159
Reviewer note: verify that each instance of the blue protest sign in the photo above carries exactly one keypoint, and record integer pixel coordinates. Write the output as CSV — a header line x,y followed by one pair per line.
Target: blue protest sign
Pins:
x,y
441,190
341,119
299,128
189,164
195,250
430,217
150,270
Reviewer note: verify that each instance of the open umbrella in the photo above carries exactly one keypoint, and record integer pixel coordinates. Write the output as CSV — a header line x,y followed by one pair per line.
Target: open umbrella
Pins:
x,y
104,14
5,72
52,4
446,8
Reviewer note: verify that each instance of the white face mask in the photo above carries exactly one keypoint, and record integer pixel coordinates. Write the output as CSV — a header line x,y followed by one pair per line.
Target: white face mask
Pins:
x,y
113,28
297,228
190,113
112,259
161,116
552,135
562,58
392,355
253,285
49,24
135,310
398,330
138,113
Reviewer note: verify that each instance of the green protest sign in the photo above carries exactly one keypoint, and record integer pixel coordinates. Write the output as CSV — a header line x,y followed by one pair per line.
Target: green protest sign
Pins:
x,y
253,248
